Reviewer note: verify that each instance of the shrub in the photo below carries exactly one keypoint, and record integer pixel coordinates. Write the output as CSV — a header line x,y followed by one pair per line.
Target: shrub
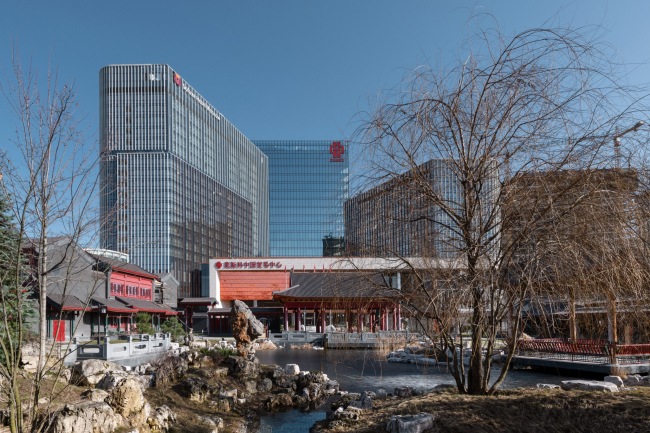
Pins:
x,y
143,323
174,327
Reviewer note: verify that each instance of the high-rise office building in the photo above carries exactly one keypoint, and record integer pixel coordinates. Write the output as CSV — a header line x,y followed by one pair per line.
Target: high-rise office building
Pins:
x,y
397,218
180,184
309,182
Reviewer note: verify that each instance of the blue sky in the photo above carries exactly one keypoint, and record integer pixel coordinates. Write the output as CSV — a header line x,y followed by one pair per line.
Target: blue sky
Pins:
x,y
281,69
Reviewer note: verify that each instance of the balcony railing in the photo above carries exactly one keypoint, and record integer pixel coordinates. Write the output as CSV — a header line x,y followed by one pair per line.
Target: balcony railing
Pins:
x,y
584,350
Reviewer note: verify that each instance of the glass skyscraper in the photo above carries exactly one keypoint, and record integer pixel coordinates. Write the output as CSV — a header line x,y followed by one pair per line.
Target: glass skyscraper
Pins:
x,y
309,182
397,217
179,183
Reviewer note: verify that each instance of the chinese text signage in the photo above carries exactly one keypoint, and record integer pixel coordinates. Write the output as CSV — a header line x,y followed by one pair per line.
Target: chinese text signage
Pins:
x,y
248,265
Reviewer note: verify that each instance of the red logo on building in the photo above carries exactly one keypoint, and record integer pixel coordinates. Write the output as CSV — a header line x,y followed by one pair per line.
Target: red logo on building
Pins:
x,y
337,149
218,265
177,79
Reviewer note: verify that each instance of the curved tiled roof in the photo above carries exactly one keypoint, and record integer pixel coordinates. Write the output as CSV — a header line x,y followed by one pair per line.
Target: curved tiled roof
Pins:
x,y
339,285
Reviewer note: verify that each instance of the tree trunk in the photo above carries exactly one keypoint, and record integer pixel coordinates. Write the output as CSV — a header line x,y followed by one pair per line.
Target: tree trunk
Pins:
x,y
572,317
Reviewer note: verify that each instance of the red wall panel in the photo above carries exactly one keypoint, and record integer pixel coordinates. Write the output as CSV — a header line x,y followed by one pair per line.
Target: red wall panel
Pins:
x,y
252,285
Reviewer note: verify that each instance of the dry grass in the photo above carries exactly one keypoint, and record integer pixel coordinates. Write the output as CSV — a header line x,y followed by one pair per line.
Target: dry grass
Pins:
x,y
305,346
520,410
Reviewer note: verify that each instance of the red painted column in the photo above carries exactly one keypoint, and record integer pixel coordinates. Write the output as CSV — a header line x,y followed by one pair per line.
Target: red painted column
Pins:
x,y
286,319
394,319
371,319
399,317
359,320
382,320
298,319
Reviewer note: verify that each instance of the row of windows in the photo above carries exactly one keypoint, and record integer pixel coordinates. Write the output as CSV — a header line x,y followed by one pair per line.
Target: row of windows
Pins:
x,y
130,291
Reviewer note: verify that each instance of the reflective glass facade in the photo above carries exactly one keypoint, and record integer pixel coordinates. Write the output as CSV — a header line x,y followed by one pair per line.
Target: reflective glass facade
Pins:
x,y
396,218
309,182
180,184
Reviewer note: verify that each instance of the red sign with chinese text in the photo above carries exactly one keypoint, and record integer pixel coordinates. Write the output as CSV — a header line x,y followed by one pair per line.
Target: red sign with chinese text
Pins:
x,y
248,265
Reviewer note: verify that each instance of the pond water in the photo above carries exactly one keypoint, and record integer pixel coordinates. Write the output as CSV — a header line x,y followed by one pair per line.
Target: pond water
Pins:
x,y
366,370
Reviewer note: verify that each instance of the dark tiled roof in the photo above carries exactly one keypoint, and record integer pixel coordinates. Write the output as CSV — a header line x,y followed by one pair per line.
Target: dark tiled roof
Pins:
x,y
112,305
197,301
142,305
316,285
119,264
67,302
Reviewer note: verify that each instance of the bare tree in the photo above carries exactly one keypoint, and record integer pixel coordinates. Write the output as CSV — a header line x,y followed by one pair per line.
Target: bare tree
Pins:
x,y
460,154
49,172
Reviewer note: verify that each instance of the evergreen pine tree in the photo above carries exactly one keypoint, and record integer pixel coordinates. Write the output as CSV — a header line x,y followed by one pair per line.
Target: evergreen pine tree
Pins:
x,y
15,293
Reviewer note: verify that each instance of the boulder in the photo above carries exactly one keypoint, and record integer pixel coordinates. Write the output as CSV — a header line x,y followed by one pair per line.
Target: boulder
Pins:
x,y
195,389
547,386
91,371
634,380
364,404
332,384
245,328
251,386
161,419
223,404
244,368
588,385
279,401
381,394
142,368
213,422
95,394
265,385
95,417
231,393
616,380
410,423
126,398
404,391
220,371
292,369
349,415
65,375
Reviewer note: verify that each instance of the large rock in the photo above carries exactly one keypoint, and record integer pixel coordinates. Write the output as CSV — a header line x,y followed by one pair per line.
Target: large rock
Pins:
x,y
279,401
244,368
245,328
410,423
195,389
634,380
588,385
265,385
127,398
114,378
364,404
90,417
214,422
616,380
292,369
161,419
91,371
95,395
404,391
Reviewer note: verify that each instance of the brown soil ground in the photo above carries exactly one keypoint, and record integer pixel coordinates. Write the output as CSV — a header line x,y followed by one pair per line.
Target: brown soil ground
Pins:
x,y
520,410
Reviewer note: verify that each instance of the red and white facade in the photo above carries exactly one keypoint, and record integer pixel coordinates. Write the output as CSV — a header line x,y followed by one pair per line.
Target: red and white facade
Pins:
x,y
255,279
